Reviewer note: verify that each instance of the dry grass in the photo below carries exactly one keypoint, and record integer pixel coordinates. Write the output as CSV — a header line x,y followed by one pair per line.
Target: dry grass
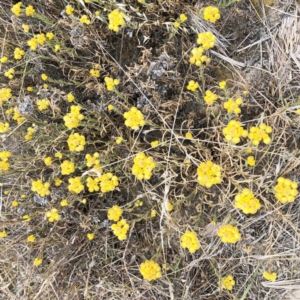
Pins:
x,y
256,50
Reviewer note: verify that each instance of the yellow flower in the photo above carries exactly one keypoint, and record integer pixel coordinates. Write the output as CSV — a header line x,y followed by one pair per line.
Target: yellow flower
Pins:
x,y
234,131
119,140
29,11
95,73
183,17
111,83
70,97
285,190
134,118
4,127
4,59
4,155
233,106
90,236
222,85
92,184
64,202
209,174
42,104
58,155
83,201
143,166
85,20
25,28
45,86
210,97
92,160
261,133
169,206
154,144
229,234
75,185
32,43
108,182
120,229
37,261
29,88
31,238
53,215
153,213
16,9
207,40
56,48
50,35
48,161
73,118
14,203
198,58
189,135
10,73
176,24
110,107
26,218
44,77
190,241
251,161
115,213
116,19
150,270
211,14
3,234
5,94
227,283
270,276
76,142
138,203
4,166
41,188
192,85
247,202
67,167
69,9
57,182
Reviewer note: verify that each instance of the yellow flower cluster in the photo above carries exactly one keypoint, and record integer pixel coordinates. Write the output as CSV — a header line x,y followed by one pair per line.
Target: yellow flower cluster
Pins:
x,y
85,20
150,270
4,59
5,94
37,261
75,185
143,166
210,97
76,142
115,213
42,104
138,203
57,182
4,127
285,190
120,229
251,161
29,11
53,215
16,9
48,161
222,85
95,73
90,236
30,132
190,241
116,19
73,118
92,160
18,53
198,58
260,133
192,85
9,73
50,35
154,143
209,174
17,116
134,118
3,234
41,188
234,131
64,203
70,97
229,234
31,238
270,276
233,106
44,76
67,167
69,9
4,164
92,184
227,282
38,39
119,140
182,19
247,202
211,14
206,39
111,83
108,182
